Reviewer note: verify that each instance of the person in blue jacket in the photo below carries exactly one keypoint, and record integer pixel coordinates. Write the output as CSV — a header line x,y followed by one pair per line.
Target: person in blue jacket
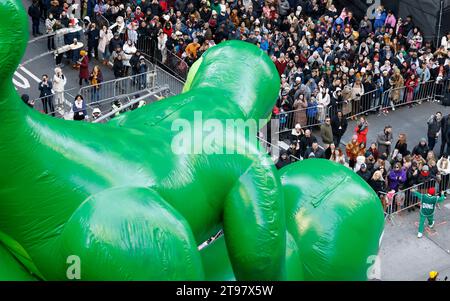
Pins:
x,y
380,17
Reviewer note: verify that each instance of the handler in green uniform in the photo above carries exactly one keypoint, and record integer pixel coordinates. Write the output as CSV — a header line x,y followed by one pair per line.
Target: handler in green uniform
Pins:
x,y
428,202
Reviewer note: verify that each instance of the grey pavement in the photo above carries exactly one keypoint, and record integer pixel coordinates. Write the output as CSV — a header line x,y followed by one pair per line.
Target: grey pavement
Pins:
x,y
405,257
29,76
412,121
402,255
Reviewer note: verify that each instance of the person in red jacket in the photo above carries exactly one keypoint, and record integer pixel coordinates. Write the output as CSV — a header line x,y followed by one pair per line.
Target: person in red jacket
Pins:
x,y
138,14
361,130
281,64
411,84
168,28
164,5
84,67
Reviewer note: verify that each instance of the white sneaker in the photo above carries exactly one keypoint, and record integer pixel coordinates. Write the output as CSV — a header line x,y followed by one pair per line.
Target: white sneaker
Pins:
x,y
419,235
431,226
393,108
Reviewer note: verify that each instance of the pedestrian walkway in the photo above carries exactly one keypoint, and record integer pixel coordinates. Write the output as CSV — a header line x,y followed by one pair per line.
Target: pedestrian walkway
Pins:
x,y
405,257
28,76
411,121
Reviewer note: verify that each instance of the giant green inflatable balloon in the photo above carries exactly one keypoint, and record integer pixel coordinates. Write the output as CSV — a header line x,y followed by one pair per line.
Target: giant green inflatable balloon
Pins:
x,y
132,199
334,217
11,269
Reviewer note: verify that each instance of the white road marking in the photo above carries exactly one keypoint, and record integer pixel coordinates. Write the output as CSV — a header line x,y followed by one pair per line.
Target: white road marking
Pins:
x,y
30,74
23,83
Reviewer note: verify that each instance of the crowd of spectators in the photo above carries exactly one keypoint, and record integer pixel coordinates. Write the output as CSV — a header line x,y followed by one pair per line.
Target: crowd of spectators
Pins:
x,y
89,43
326,58
390,169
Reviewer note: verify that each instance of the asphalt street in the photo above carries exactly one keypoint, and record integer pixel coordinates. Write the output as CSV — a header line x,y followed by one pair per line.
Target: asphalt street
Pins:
x,y
412,122
27,77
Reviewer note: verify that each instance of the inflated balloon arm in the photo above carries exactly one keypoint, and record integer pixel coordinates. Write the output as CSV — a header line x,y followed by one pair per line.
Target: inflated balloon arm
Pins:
x,y
252,205
254,226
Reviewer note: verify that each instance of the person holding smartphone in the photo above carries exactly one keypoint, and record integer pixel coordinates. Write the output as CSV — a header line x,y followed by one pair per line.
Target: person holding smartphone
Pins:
x,y
45,88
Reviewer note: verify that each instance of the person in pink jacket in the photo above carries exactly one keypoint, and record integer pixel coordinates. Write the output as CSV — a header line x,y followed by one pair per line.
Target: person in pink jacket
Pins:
x,y
390,20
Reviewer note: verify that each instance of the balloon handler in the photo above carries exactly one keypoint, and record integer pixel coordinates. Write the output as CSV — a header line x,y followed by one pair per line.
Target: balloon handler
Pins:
x,y
428,204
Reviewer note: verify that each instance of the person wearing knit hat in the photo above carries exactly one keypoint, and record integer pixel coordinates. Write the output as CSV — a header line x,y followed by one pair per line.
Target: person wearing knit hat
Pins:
x,y
428,203
26,99
298,11
84,67
432,276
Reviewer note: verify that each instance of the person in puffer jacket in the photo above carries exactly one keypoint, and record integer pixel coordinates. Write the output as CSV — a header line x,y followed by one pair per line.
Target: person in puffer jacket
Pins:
x,y
380,17
397,177
283,7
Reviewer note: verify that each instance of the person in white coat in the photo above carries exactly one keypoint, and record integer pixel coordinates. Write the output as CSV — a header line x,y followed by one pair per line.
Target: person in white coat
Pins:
x,y
443,166
132,32
129,49
162,39
323,102
49,23
106,36
59,82
445,41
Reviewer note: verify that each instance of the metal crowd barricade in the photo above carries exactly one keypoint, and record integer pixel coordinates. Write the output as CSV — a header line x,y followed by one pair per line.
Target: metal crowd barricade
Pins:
x,y
170,61
368,102
405,199
442,89
128,103
165,78
59,109
176,64
402,96
371,101
118,87
146,45
307,117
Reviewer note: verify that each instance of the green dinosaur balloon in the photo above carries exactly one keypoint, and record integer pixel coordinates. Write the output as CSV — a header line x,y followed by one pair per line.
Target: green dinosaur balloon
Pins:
x,y
132,199
335,218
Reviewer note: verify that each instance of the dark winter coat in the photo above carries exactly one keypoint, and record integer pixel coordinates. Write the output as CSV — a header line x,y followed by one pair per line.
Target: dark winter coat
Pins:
x,y
336,123
366,175
93,37
421,150
45,90
378,186
34,12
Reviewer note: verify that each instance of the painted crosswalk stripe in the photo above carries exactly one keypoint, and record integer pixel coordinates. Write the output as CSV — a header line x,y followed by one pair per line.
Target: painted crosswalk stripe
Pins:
x,y
30,74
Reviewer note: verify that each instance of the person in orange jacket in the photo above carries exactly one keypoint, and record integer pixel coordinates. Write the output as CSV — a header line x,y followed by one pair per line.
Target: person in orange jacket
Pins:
x,y
352,149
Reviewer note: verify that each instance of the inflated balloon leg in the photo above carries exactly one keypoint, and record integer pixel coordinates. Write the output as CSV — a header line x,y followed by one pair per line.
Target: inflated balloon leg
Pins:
x,y
128,234
11,269
254,226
